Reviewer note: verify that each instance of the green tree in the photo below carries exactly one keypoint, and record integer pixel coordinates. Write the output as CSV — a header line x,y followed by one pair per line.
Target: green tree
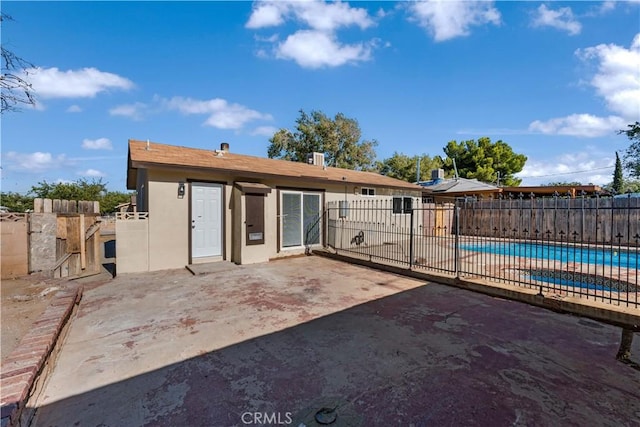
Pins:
x,y
628,186
632,155
111,199
486,161
82,189
562,184
631,186
618,179
16,202
402,166
337,138
15,90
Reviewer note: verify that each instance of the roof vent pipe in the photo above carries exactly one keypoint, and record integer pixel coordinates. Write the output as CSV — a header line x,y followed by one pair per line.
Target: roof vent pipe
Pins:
x,y
224,147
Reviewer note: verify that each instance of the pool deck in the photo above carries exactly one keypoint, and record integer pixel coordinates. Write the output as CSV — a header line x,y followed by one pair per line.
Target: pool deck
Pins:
x,y
290,337
436,258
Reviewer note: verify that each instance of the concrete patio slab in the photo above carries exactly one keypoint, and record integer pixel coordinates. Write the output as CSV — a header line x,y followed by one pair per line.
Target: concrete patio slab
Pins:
x,y
272,344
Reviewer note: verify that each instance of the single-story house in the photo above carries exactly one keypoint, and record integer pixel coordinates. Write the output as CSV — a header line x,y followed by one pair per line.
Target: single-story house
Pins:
x,y
447,190
210,205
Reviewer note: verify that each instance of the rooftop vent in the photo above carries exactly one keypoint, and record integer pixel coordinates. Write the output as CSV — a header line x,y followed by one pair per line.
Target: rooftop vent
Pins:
x,y
316,159
224,147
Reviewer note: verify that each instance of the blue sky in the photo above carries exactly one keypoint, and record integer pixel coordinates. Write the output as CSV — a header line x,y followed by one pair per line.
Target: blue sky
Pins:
x,y
555,80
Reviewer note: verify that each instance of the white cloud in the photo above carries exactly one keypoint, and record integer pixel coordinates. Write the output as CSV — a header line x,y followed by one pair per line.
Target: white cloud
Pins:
x,y
316,49
266,15
583,125
83,83
264,131
318,15
589,166
34,162
604,7
617,81
222,114
97,144
134,111
318,45
561,19
271,39
74,109
446,19
618,77
331,16
92,173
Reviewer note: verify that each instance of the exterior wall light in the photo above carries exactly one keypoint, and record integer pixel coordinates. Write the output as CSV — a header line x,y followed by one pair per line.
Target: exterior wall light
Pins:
x,y
181,190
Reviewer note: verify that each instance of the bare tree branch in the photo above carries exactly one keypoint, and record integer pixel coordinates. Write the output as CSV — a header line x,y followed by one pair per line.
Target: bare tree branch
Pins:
x,y
15,90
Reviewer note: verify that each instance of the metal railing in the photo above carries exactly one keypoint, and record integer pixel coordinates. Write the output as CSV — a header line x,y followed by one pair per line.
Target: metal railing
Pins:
x,y
584,247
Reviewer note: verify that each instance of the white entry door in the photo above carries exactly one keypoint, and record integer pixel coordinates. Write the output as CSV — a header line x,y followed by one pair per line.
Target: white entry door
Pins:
x,y
206,219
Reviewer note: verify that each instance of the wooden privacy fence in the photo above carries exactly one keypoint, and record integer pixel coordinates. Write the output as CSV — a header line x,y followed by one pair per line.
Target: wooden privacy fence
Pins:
x,y
603,220
60,238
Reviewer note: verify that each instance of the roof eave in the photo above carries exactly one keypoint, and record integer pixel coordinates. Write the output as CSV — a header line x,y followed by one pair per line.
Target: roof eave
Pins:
x,y
134,165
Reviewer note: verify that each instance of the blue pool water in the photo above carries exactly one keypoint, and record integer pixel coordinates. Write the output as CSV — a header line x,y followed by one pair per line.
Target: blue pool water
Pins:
x,y
581,255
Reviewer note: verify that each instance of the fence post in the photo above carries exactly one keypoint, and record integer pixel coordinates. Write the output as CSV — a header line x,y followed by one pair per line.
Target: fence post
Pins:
x,y
411,239
456,254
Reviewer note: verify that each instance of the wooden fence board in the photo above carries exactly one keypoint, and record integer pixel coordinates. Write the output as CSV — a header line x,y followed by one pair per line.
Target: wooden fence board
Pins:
x,y
83,247
73,234
603,220
62,228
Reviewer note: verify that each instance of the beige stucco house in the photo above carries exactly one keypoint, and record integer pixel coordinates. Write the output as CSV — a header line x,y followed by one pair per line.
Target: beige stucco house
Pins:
x,y
210,205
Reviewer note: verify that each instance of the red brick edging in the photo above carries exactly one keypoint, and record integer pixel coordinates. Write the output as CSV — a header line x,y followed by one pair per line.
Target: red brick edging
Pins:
x,y
21,369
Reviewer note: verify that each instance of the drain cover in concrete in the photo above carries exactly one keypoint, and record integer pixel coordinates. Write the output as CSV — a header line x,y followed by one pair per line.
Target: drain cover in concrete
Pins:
x,y
334,412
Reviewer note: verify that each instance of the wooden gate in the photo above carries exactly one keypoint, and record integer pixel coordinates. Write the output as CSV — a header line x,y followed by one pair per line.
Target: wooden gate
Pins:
x,y
60,238
14,245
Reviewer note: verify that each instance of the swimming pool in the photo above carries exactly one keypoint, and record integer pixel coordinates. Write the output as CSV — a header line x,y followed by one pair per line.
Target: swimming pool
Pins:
x,y
579,280
599,256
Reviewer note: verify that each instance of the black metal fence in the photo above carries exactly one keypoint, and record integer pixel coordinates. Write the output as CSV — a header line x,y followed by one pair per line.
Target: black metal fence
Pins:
x,y
584,247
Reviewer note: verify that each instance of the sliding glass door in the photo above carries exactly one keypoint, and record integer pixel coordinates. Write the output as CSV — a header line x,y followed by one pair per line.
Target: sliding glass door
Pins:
x,y
300,214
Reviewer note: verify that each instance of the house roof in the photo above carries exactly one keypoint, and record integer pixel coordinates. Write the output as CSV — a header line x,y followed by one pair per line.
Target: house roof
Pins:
x,y
152,154
458,186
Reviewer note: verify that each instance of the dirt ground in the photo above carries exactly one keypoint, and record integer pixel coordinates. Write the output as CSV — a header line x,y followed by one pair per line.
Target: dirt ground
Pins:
x,y
24,299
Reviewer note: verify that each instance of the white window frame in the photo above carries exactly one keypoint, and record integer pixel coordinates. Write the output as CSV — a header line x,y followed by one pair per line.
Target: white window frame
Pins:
x,y
302,193
368,191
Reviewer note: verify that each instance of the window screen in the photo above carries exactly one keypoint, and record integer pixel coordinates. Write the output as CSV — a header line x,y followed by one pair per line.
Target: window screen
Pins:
x,y
291,218
300,218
